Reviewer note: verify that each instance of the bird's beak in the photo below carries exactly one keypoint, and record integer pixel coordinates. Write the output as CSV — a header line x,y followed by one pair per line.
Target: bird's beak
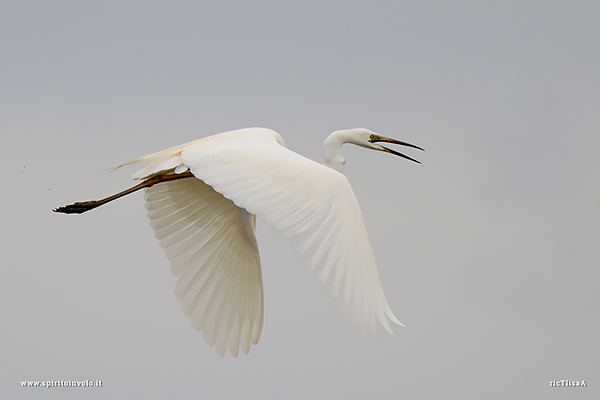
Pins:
x,y
376,138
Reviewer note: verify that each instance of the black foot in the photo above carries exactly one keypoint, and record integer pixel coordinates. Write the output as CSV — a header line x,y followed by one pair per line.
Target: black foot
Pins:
x,y
78,208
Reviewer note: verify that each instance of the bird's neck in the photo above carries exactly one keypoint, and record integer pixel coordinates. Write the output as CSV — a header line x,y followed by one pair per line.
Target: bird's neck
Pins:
x,y
332,150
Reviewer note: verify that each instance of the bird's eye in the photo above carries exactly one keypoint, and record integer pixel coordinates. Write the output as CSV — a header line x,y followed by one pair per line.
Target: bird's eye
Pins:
x,y
372,138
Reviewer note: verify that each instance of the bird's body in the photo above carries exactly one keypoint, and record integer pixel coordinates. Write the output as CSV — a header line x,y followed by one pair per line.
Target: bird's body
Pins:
x,y
203,198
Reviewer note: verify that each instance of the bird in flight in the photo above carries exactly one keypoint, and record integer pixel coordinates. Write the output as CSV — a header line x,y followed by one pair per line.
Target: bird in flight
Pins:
x,y
203,198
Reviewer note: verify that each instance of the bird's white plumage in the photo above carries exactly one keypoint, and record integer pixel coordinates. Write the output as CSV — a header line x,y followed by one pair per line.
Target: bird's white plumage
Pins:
x,y
211,244
206,228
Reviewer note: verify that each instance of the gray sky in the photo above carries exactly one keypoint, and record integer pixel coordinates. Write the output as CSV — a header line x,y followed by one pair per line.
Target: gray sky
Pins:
x,y
488,251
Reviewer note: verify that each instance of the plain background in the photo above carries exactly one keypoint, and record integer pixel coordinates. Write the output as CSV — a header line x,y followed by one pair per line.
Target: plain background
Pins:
x,y
489,251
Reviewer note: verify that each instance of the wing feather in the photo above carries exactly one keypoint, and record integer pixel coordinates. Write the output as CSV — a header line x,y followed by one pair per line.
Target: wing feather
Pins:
x,y
211,244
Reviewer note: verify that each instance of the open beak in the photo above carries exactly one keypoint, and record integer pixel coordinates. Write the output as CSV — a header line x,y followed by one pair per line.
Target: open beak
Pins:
x,y
394,141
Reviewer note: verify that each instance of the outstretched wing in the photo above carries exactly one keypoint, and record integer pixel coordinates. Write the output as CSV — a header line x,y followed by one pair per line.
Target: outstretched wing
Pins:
x,y
211,244
305,201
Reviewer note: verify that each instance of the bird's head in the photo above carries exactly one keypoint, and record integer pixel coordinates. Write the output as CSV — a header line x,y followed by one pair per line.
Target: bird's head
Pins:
x,y
332,155
370,140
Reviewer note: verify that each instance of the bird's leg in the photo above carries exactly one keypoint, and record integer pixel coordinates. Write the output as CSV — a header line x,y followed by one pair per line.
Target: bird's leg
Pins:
x,y
83,206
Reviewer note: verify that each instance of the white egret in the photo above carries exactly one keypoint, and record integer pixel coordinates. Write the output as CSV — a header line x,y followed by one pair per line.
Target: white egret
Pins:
x,y
203,198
